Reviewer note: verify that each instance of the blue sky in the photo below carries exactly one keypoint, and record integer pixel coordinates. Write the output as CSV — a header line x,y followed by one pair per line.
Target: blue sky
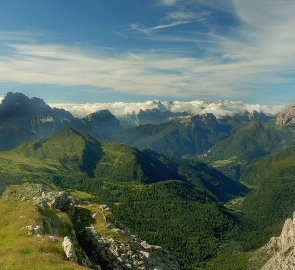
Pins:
x,y
136,50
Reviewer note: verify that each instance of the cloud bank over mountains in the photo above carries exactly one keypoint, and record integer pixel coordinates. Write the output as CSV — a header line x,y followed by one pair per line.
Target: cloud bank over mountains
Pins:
x,y
195,107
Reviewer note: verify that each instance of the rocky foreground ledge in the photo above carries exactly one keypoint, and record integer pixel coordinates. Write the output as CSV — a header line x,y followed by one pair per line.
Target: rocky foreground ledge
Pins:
x,y
86,233
281,249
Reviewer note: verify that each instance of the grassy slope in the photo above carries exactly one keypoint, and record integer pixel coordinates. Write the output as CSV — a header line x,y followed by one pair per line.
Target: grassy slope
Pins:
x,y
19,251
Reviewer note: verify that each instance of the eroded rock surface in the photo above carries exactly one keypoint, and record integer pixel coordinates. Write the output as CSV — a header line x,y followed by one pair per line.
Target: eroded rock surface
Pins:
x,y
282,248
69,249
131,255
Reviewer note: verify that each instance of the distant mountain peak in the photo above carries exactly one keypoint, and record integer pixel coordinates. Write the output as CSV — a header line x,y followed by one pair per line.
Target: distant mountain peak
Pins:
x,y
21,98
287,116
101,115
18,103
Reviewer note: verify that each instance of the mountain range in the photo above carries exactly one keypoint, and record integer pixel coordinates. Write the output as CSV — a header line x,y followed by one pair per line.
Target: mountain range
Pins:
x,y
185,135
211,190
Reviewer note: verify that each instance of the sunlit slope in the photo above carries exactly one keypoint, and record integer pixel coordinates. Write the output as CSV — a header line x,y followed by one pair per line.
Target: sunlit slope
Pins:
x,y
18,249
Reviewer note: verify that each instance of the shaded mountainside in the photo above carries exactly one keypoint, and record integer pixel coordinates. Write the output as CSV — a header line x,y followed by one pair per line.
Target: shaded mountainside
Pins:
x,y
17,110
187,136
101,124
252,141
11,137
210,180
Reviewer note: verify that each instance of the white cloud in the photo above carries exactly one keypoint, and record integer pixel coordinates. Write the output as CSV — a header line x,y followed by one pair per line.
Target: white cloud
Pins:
x,y
254,57
195,107
148,30
186,15
172,19
168,2
151,74
157,73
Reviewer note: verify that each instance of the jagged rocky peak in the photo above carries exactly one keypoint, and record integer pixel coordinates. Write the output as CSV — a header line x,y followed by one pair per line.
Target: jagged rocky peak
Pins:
x,y
33,114
206,121
287,116
246,116
34,110
18,103
101,124
282,248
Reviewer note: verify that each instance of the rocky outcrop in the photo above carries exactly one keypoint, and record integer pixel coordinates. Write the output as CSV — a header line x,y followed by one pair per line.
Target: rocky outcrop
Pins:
x,y
131,255
287,117
96,246
69,249
282,248
57,200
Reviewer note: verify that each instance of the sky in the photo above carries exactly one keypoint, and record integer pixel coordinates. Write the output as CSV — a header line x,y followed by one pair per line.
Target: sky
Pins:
x,y
86,51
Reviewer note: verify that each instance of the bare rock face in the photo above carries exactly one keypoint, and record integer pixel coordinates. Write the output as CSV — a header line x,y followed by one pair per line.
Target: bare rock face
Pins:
x,y
287,117
57,200
69,249
282,248
133,255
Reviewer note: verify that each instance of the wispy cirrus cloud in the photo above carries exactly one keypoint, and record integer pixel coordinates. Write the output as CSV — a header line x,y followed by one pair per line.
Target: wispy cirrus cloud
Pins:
x,y
146,73
148,30
172,19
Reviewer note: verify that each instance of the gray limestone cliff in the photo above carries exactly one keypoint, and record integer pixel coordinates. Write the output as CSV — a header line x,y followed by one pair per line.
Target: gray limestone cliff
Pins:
x,y
282,248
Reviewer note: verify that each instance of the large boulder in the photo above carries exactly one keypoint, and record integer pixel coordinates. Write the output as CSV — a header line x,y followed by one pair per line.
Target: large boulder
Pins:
x,y
57,200
69,249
